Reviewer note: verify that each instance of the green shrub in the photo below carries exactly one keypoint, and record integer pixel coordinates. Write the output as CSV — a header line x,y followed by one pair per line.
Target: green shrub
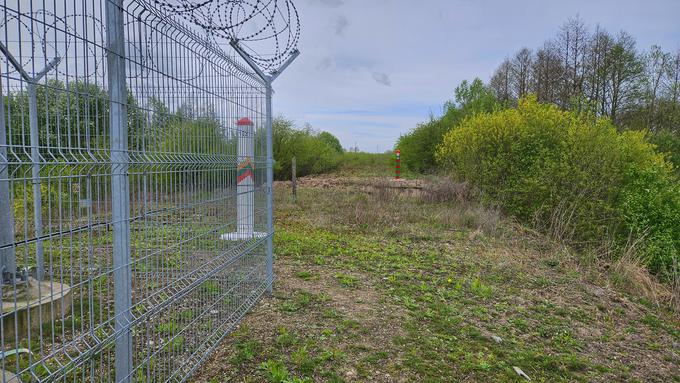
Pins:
x,y
314,152
331,141
572,174
668,143
650,205
418,146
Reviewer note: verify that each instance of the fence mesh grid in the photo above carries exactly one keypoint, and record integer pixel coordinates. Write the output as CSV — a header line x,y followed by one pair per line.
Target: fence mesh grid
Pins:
x,y
171,199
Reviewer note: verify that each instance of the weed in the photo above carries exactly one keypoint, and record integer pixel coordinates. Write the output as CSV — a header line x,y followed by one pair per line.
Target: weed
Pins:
x,y
274,371
167,328
245,351
210,288
305,275
347,280
187,314
480,289
652,321
376,357
285,338
303,361
175,344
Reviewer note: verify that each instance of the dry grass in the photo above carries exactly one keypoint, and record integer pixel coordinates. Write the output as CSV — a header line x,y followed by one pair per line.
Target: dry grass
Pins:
x,y
628,273
444,189
387,204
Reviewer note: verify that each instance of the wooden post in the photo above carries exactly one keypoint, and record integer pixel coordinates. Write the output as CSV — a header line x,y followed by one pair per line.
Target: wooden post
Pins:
x,y
294,179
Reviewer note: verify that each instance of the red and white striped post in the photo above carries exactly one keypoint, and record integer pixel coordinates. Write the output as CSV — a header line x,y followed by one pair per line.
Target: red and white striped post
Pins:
x,y
398,169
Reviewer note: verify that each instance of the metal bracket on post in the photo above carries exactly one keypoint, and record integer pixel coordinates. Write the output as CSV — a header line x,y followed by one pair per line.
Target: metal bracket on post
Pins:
x,y
268,79
9,261
120,188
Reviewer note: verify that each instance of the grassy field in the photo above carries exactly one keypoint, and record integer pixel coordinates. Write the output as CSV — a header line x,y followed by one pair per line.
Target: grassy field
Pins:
x,y
377,283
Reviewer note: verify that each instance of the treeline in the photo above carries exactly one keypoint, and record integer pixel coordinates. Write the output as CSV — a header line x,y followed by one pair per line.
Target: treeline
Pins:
x,y
73,121
577,139
589,68
315,152
318,152
74,117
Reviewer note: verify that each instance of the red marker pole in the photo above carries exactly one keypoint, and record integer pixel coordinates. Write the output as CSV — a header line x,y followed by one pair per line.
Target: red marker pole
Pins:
x,y
398,174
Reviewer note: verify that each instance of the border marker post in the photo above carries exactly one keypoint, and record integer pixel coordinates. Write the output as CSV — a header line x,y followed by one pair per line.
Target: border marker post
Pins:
x,y
398,168
245,184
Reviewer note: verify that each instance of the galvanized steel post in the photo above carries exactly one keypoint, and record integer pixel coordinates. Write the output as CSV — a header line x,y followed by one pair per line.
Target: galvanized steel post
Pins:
x,y
270,189
31,84
8,265
268,79
35,159
120,188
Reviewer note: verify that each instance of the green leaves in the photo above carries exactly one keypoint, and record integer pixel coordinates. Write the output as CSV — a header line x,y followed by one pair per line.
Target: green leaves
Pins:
x,y
418,147
573,176
314,152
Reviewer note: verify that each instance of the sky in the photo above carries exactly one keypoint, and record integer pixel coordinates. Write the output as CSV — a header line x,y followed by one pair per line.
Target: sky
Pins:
x,y
371,70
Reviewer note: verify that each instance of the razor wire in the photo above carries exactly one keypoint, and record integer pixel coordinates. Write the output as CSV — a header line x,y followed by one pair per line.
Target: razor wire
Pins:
x,y
268,29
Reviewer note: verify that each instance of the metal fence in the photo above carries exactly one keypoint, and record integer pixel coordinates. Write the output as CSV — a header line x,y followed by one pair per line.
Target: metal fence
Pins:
x,y
135,191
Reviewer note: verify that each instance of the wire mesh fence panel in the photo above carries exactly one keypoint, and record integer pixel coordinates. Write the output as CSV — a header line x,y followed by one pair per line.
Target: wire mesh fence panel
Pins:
x,y
134,213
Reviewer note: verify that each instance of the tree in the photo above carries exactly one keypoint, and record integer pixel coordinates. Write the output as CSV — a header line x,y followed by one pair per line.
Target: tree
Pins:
x,y
598,73
500,83
572,46
670,105
547,72
521,73
597,70
331,141
473,98
624,69
418,146
656,64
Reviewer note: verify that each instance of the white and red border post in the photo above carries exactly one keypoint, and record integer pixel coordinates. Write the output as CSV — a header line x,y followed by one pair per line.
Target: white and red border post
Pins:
x,y
245,183
398,168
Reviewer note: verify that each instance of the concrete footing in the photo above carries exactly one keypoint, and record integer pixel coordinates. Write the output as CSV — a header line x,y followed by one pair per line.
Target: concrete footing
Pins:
x,y
32,304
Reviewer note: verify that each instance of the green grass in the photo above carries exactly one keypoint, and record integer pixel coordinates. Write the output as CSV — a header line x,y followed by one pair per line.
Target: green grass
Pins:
x,y
346,280
305,275
454,289
366,164
455,285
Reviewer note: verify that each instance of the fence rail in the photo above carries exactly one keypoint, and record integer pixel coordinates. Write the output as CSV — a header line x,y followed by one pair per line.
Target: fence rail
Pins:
x,y
135,191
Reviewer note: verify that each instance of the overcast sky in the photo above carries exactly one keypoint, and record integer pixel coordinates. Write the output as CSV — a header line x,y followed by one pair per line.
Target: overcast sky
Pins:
x,y
372,69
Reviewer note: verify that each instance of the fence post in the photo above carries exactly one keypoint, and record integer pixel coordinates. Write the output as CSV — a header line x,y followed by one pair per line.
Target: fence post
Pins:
x,y
8,265
120,187
31,86
267,80
294,179
35,168
270,189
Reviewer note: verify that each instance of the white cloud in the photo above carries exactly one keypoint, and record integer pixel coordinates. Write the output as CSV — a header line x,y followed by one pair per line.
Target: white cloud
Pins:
x,y
423,50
